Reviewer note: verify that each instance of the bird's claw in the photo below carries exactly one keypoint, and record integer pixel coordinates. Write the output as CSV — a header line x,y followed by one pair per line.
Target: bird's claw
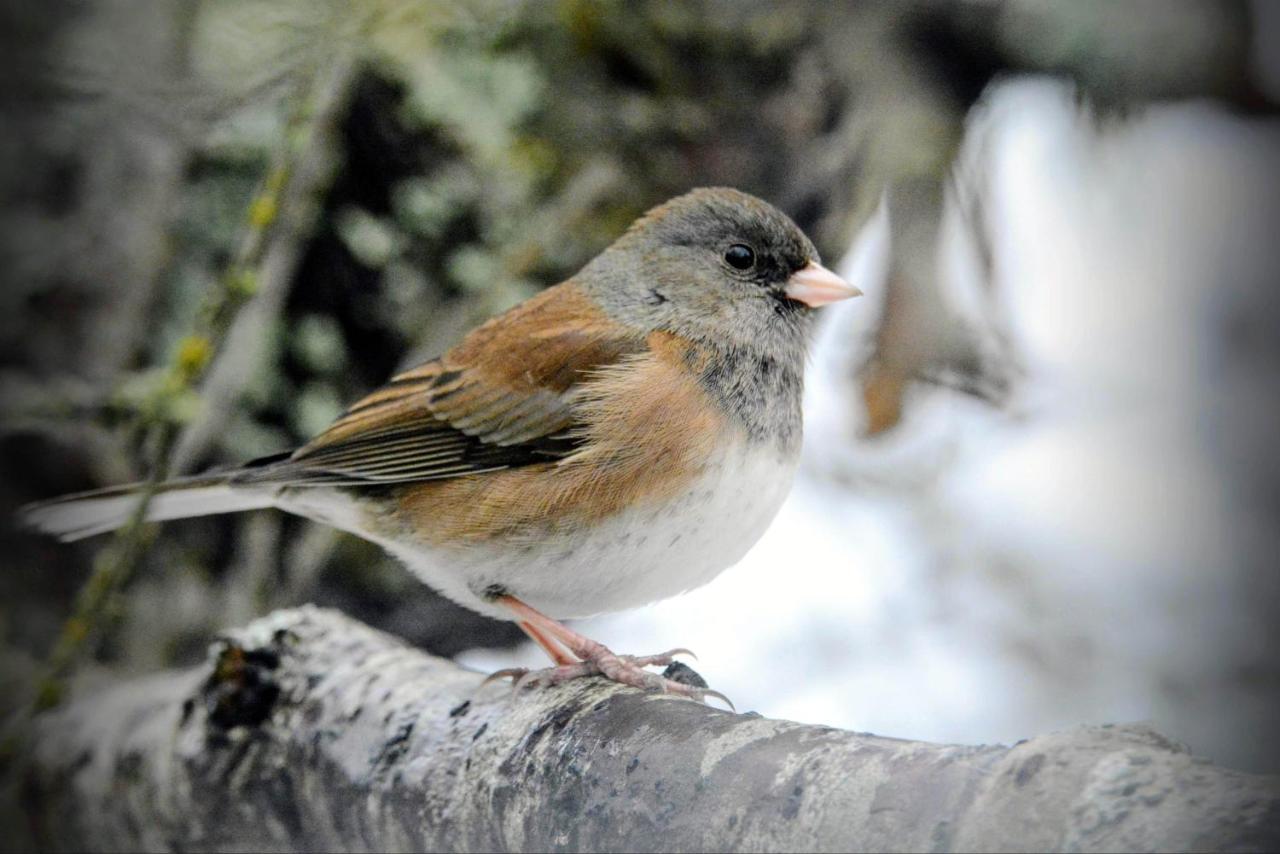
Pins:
x,y
710,692
662,659
515,674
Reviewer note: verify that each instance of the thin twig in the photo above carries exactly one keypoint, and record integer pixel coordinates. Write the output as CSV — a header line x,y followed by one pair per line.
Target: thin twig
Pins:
x,y
156,426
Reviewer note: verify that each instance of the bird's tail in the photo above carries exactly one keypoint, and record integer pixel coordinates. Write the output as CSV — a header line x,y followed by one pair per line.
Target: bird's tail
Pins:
x,y
74,517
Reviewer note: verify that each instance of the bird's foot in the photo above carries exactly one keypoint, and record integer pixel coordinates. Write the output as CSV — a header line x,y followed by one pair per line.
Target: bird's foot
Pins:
x,y
624,669
577,656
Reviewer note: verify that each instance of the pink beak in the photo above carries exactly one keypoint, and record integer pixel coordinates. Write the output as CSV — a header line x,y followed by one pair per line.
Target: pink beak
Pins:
x,y
815,285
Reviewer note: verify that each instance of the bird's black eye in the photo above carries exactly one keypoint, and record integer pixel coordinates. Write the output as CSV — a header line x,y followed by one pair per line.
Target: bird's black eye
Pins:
x,y
739,256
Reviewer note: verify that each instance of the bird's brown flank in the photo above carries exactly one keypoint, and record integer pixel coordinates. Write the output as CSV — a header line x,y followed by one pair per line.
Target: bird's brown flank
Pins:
x,y
647,428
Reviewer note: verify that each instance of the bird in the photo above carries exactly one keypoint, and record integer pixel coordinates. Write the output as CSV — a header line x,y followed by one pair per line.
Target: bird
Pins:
x,y
617,439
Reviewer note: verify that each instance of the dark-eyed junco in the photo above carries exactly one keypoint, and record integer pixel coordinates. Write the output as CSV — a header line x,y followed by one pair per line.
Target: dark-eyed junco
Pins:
x,y
619,438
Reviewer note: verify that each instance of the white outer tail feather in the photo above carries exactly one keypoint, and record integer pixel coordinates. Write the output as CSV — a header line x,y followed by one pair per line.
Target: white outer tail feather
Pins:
x,y
74,517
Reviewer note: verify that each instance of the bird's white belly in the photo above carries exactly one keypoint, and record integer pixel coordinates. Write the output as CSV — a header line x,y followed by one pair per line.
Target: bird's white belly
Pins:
x,y
636,557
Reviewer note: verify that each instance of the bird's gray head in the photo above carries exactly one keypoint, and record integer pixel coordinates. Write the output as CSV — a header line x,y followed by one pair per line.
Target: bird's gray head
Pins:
x,y
716,265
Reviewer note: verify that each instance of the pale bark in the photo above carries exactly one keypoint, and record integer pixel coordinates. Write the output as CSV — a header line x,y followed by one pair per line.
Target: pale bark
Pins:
x,y
308,731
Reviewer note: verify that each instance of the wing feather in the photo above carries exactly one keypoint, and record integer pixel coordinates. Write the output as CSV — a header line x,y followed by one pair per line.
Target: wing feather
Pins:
x,y
507,395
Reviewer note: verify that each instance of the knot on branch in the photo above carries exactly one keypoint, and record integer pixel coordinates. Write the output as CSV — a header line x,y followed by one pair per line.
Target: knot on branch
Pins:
x,y
242,689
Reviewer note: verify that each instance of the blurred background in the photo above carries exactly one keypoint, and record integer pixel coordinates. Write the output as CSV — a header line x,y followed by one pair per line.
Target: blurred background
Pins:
x,y
1039,486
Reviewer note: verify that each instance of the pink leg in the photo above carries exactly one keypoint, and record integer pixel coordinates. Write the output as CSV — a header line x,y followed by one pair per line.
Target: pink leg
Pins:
x,y
548,644
595,657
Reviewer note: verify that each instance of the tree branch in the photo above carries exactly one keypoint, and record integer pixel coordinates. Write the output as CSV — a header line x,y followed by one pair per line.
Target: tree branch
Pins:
x,y
309,731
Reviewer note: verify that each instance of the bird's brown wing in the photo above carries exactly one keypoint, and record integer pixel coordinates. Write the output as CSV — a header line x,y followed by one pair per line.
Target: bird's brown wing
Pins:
x,y
504,397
